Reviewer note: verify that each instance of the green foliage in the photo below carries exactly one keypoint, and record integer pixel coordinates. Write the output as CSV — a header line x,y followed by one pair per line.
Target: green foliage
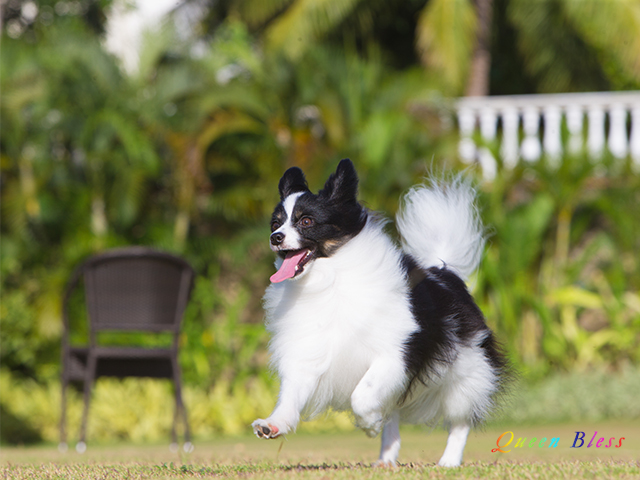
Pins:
x,y
15,431
139,410
552,280
593,396
446,38
563,45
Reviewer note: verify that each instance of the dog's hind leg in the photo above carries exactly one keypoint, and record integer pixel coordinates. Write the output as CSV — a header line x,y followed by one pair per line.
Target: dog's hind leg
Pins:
x,y
452,456
390,446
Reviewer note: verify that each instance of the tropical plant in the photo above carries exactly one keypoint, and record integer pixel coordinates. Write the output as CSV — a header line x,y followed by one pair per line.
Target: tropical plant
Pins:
x,y
549,280
564,45
570,46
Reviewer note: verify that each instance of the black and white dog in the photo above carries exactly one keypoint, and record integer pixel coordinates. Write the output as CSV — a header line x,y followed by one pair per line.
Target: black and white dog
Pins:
x,y
359,324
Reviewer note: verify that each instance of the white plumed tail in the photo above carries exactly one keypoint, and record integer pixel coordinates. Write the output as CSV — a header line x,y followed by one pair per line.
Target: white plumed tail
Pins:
x,y
440,225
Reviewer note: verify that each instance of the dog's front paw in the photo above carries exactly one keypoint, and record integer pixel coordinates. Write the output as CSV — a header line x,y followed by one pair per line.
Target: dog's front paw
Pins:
x,y
262,429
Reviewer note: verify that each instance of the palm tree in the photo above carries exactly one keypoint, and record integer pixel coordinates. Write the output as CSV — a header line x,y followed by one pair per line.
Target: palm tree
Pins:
x,y
569,45
478,82
565,45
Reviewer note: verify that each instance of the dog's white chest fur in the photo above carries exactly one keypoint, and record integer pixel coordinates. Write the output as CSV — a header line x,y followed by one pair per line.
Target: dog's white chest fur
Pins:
x,y
351,309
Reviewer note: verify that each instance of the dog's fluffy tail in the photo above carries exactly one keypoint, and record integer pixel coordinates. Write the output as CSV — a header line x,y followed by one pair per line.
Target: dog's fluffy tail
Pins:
x,y
440,225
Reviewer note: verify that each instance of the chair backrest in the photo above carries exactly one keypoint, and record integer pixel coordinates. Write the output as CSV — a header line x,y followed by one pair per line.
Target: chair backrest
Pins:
x,y
136,288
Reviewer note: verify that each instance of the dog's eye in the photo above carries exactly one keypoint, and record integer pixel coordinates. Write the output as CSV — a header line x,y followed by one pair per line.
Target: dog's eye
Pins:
x,y
275,226
306,222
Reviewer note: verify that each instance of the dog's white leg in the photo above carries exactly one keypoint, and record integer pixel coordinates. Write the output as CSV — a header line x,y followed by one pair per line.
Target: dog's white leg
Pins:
x,y
376,393
294,393
452,456
390,446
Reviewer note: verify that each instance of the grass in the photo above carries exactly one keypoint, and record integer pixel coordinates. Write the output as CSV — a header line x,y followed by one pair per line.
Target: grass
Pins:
x,y
342,456
564,470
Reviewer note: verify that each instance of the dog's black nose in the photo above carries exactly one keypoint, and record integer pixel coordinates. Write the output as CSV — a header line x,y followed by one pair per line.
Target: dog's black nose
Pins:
x,y
277,238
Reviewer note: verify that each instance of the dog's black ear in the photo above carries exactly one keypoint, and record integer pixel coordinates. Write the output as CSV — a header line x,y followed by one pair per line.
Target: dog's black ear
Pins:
x,y
291,182
342,185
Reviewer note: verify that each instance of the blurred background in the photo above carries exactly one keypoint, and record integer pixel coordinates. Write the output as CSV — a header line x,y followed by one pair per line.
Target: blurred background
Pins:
x,y
169,123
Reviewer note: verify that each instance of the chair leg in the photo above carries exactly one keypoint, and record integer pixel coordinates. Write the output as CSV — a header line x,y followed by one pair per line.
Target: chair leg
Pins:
x,y
174,434
89,379
185,416
180,407
62,446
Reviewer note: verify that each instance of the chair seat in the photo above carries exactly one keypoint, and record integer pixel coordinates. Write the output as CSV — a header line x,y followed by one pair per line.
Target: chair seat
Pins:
x,y
121,362
133,352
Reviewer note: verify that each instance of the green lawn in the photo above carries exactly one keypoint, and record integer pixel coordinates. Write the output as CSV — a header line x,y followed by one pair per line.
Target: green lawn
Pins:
x,y
346,455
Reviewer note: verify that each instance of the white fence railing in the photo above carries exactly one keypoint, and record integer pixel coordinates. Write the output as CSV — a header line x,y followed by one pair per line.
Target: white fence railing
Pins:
x,y
526,127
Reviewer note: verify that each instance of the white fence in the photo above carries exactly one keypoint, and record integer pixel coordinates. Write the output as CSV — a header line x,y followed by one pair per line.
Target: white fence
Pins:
x,y
529,126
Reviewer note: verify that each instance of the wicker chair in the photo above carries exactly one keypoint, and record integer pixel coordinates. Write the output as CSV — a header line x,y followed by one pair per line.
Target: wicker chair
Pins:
x,y
125,290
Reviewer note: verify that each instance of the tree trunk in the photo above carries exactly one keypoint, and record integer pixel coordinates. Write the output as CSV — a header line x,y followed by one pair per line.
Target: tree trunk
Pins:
x,y
478,83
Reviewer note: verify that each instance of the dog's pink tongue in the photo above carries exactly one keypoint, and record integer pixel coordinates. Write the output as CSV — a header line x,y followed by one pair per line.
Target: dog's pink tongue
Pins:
x,y
288,267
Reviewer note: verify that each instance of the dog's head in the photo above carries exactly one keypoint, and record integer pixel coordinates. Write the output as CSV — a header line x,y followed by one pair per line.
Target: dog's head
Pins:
x,y
305,226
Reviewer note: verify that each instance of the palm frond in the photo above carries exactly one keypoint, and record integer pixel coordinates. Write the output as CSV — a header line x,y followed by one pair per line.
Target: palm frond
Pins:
x,y
257,12
613,28
554,51
155,44
445,38
304,22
